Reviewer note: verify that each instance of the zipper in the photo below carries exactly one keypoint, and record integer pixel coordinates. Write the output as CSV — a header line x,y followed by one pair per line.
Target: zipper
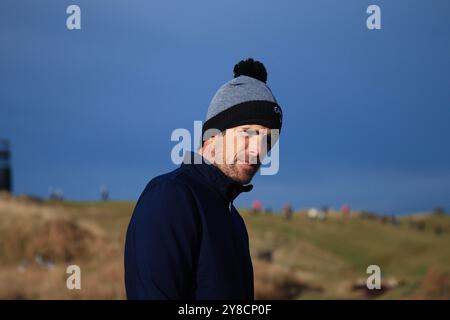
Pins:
x,y
229,205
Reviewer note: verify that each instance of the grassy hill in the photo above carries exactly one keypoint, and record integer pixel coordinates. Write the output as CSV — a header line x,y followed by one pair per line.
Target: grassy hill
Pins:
x,y
333,254
299,258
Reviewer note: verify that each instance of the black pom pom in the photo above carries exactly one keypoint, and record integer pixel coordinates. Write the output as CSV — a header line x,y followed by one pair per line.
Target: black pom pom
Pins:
x,y
251,68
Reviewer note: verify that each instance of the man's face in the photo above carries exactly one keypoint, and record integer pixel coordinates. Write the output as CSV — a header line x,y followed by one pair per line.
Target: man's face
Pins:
x,y
238,152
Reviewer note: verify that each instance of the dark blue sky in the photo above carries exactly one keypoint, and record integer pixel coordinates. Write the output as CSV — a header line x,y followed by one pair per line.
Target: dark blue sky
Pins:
x,y
366,113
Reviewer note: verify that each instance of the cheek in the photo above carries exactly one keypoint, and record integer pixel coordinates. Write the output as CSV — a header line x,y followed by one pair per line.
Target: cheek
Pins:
x,y
227,153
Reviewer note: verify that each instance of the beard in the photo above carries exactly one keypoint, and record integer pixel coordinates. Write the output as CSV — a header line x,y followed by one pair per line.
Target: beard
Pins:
x,y
241,173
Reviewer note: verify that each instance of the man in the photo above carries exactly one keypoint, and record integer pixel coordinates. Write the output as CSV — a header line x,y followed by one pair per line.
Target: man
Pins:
x,y
186,240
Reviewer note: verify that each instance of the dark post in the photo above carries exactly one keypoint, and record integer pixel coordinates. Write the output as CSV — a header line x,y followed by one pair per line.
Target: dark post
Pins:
x,y
5,167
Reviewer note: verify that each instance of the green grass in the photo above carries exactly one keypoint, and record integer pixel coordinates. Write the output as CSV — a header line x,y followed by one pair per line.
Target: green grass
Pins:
x,y
338,250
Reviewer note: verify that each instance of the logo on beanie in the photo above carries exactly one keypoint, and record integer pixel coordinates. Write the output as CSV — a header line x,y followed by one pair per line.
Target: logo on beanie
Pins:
x,y
277,109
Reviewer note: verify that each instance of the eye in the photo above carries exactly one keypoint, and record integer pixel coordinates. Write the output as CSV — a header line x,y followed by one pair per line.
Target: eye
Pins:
x,y
242,133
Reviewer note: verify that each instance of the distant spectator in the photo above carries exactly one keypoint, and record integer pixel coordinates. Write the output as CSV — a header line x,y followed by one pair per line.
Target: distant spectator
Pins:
x,y
287,211
104,193
345,211
323,213
256,206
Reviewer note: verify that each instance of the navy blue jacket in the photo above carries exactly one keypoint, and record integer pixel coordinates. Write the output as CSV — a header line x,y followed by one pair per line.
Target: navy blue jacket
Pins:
x,y
186,240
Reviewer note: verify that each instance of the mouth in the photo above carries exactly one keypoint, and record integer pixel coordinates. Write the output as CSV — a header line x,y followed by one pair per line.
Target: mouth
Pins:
x,y
249,166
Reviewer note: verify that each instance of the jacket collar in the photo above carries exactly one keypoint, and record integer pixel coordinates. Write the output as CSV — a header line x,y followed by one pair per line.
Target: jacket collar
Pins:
x,y
227,187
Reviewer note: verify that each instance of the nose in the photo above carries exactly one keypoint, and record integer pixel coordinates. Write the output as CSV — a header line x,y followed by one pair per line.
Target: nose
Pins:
x,y
253,148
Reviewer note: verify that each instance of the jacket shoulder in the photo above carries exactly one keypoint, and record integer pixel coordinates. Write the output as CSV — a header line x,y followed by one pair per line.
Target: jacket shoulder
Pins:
x,y
172,186
176,175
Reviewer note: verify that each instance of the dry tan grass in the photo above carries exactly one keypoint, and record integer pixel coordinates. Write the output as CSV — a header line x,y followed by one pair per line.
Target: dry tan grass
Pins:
x,y
435,285
29,229
38,242
276,282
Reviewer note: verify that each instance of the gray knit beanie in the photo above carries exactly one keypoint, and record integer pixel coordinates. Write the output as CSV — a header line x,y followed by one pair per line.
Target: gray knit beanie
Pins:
x,y
246,99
